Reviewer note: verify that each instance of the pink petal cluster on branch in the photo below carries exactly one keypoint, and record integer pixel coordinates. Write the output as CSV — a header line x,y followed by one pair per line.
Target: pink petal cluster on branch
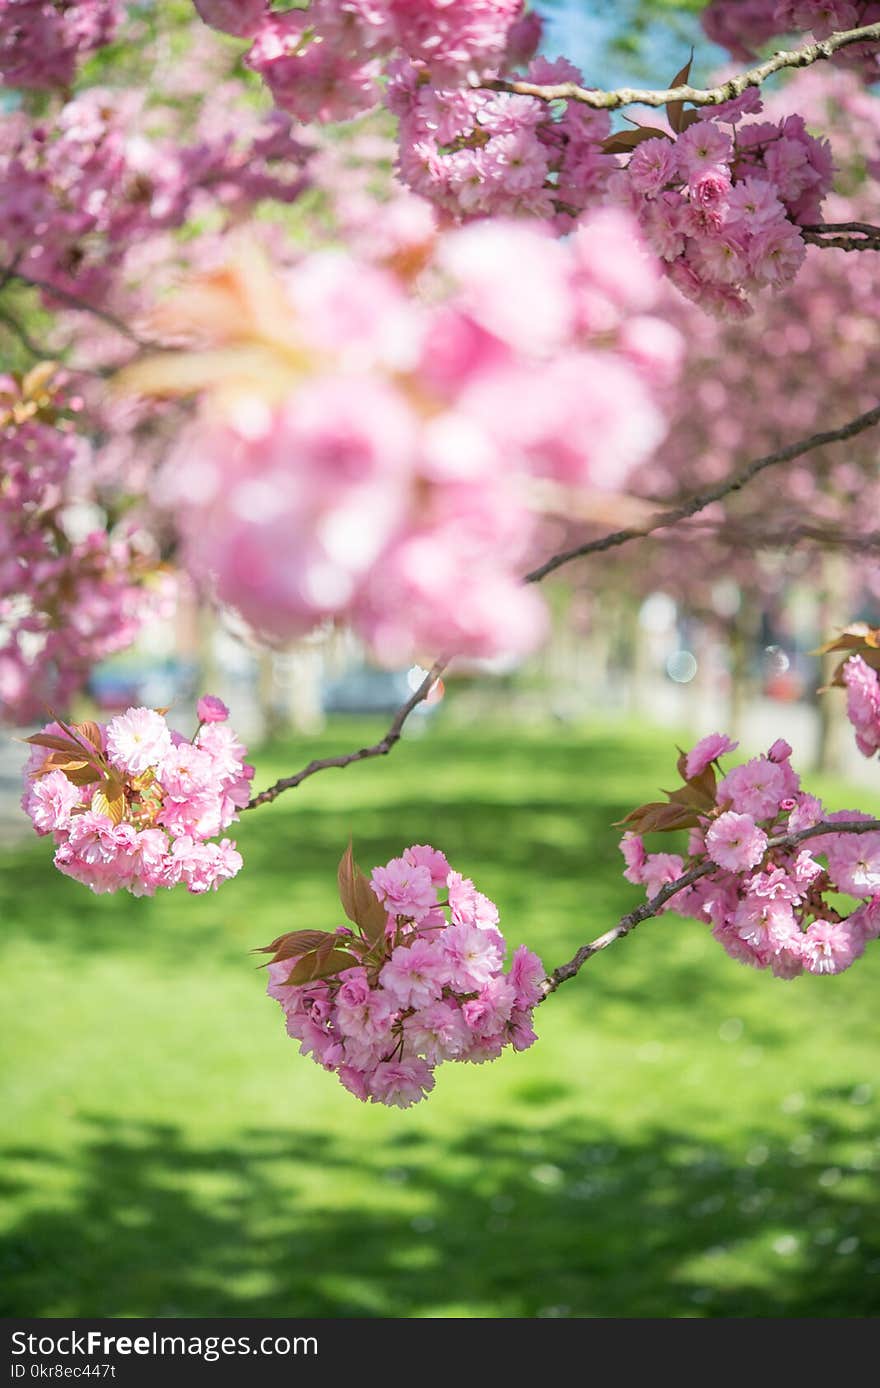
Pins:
x,y
325,62
743,27
85,190
415,980
475,153
42,42
770,903
722,204
132,805
67,599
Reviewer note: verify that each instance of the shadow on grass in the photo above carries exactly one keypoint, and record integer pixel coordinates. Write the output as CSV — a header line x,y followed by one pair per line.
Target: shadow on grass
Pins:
x,y
499,1221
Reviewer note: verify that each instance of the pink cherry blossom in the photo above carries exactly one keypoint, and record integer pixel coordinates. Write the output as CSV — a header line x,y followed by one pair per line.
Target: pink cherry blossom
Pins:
x,y
137,740
436,993
735,842
404,888
785,916
415,974
707,750
210,709
145,819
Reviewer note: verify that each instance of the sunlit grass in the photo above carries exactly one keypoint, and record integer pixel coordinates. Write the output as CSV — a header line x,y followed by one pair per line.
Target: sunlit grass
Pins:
x,y
688,1138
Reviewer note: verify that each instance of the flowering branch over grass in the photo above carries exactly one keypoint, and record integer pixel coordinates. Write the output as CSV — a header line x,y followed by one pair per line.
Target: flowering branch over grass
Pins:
x,y
378,749
696,96
654,907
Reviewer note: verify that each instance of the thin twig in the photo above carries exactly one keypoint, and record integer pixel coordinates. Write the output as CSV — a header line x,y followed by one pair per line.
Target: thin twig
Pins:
x,y
65,296
696,96
606,542
18,330
379,749
701,500
862,228
732,533
41,353
857,241
628,923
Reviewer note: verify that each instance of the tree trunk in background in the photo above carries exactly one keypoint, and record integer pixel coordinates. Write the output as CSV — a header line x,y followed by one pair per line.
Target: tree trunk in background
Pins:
x,y
832,614
743,633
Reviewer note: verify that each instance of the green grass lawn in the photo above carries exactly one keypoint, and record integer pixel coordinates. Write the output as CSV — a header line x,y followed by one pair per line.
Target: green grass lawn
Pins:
x,y
688,1137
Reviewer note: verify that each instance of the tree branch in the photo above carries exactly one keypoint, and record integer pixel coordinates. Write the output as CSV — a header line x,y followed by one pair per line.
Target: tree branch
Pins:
x,y
42,353
701,500
846,236
379,749
628,923
11,323
697,96
745,533
611,541
83,306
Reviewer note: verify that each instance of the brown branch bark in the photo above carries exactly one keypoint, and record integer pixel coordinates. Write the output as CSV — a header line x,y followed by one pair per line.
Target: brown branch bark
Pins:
x,y
697,96
611,541
627,924
73,301
378,749
845,236
700,500
823,536
39,351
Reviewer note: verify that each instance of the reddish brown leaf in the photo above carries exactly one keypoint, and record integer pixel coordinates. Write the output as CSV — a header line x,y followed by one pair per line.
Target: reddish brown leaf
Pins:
x,y
294,944
77,769
675,109
359,901
859,636
624,141
659,818
318,964
345,877
88,732
58,744
858,639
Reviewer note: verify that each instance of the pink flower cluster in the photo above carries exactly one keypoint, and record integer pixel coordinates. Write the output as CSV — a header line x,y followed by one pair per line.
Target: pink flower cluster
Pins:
x,y
478,153
65,602
395,476
721,202
743,27
132,804
427,986
325,62
83,191
773,906
863,703
42,41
